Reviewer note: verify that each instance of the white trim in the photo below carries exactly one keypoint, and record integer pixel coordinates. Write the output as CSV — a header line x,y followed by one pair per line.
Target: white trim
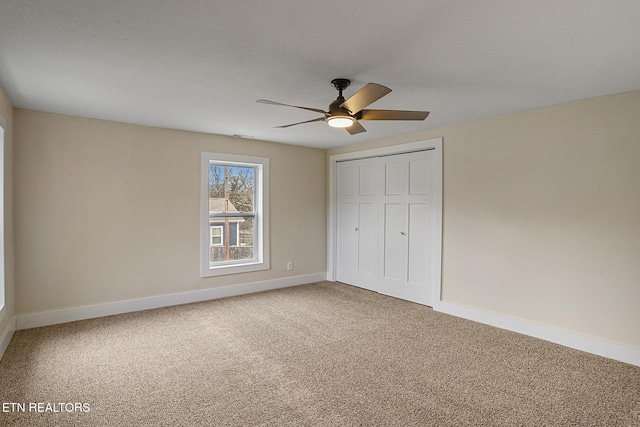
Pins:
x,y
3,204
72,314
436,144
6,336
573,340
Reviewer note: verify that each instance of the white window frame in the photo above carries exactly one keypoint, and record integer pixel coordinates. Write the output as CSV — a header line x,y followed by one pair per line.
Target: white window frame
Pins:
x,y
3,127
260,222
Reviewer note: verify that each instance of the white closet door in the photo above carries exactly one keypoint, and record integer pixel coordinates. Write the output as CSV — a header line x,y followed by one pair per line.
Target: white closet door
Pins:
x,y
394,218
357,239
407,217
421,226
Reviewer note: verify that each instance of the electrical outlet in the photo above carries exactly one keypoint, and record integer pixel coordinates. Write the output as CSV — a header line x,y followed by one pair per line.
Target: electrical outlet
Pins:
x,y
289,266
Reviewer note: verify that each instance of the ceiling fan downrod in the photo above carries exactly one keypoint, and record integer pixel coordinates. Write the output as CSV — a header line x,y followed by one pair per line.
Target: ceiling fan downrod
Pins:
x,y
340,85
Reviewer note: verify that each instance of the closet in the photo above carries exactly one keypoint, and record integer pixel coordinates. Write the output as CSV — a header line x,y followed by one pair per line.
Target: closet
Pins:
x,y
385,224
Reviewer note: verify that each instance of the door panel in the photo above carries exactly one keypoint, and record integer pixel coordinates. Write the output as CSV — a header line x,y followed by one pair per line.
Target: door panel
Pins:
x,y
394,181
367,180
418,243
394,243
419,182
347,183
347,252
367,270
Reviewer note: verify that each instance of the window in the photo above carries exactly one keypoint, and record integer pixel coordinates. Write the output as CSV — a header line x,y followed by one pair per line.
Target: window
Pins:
x,y
234,214
2,284
216,235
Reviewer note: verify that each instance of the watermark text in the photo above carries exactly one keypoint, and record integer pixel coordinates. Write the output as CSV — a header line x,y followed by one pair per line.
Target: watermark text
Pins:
x,y
45,407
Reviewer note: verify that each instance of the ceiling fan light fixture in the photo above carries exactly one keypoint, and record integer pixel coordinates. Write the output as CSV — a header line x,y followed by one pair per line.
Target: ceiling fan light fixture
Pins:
x,y
341,121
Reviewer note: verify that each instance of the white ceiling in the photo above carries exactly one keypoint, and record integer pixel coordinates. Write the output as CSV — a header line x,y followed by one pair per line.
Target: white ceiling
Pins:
x,y
200,64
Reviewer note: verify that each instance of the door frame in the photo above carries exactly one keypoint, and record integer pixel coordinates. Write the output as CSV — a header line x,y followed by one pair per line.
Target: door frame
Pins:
x,y
429,144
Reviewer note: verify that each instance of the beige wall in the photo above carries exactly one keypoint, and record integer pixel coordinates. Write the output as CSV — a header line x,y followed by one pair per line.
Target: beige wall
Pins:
x,y
6,111
109,211
541,212
542,215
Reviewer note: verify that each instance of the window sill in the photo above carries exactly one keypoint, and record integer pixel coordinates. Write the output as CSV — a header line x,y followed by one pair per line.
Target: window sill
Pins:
x,y
224,270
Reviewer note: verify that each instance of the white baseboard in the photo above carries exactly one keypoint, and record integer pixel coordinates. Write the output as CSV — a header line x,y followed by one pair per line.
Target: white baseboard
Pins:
x,y
574,340
6,336
72,314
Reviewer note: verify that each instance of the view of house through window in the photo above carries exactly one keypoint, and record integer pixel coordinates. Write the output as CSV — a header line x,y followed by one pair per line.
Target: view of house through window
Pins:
x,y
231,212
234,216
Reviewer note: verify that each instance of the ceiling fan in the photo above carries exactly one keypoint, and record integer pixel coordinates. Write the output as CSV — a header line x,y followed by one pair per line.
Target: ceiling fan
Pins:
x,y
346,114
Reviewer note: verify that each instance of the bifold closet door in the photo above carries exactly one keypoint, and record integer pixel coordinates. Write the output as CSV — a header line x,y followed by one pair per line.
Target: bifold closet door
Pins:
x,y
358,223
385,223
407,219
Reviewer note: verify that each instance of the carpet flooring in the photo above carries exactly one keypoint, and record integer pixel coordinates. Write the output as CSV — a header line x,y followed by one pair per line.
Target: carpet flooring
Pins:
x,y
323,354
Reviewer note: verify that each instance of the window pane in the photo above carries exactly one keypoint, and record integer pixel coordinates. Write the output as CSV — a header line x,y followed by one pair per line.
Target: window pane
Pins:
x,y
231,189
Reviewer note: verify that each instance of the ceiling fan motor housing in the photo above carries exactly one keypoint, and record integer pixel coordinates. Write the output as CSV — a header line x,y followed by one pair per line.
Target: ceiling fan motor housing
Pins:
x,y
336,110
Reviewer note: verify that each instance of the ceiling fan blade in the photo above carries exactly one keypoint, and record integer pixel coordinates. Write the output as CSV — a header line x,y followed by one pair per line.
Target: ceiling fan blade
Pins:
x,y
355,128
266,101
393,115
370,93
319,119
